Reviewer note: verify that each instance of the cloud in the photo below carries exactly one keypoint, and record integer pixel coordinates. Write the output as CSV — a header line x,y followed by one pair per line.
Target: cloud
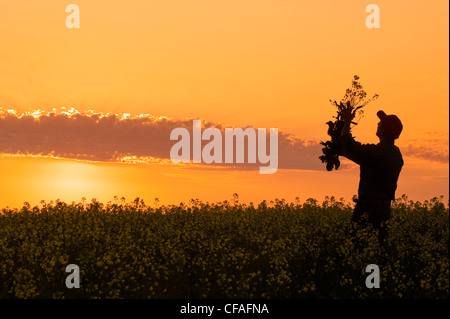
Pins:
x,y
145,138
114,138
431,146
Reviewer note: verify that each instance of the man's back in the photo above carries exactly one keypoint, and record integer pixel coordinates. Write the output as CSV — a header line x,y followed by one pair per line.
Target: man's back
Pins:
x,y
380,166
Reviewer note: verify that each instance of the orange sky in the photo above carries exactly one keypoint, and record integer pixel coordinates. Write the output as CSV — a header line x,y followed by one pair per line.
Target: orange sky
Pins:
x,y
254,62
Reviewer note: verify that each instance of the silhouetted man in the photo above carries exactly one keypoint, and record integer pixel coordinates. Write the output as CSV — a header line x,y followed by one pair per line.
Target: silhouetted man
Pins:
x,y
380,166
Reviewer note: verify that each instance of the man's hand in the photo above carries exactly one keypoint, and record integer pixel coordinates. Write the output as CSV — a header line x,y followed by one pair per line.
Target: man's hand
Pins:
x,y
347,116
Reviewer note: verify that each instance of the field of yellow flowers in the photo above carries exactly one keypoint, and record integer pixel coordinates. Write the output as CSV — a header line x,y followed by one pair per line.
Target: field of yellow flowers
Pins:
x,y
221,250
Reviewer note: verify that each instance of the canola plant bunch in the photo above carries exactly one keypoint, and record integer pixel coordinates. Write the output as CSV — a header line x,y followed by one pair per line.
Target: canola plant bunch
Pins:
x,y
221,250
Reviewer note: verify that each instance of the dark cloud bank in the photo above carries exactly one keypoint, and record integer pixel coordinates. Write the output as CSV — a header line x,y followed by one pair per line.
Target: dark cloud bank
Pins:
x,y
110,138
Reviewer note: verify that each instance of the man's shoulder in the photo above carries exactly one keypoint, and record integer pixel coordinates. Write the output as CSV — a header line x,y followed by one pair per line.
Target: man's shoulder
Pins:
x,y
398,154
391,148
393,153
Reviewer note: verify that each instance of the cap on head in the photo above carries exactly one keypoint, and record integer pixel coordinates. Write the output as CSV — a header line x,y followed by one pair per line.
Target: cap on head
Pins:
x,y
391,124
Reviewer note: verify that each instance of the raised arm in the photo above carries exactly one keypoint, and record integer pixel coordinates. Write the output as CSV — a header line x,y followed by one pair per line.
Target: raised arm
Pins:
x,y
347,116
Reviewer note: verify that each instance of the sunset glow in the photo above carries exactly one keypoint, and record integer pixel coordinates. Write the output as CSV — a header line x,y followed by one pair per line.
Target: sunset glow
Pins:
x,y
88,112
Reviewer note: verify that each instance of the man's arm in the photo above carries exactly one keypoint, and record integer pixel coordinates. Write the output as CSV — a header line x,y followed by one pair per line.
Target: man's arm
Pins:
x,y
353,150
347,116
357,152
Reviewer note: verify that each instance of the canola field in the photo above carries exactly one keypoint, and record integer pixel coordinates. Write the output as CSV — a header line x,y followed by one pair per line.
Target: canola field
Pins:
x,y
221,250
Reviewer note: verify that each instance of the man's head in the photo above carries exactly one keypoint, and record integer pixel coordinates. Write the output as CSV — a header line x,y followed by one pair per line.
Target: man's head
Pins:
x,y
389,126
